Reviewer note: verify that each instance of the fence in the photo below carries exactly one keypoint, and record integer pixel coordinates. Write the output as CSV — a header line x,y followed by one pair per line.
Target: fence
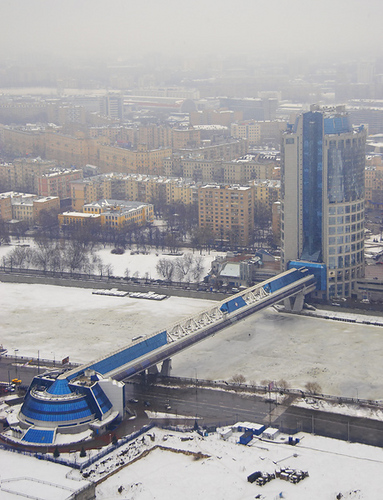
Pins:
x,y
239,387
83,465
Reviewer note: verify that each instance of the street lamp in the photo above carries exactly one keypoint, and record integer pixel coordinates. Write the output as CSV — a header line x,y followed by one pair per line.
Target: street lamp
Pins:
x,y
54,358
196,394
16,350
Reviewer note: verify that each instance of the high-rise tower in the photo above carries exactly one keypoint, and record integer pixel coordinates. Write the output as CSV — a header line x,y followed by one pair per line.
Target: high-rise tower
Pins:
x,y
323,160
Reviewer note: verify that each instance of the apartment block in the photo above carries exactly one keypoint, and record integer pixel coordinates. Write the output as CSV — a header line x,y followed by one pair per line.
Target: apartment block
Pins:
x,y
227,211
250,130
5,207
374,182
266,192
26,206
57,182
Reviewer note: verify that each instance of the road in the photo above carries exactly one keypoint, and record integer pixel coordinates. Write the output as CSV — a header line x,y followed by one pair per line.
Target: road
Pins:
x,y
217,408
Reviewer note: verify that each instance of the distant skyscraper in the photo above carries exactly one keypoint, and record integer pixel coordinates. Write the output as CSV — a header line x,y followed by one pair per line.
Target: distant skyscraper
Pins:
x,y
112,105
323,161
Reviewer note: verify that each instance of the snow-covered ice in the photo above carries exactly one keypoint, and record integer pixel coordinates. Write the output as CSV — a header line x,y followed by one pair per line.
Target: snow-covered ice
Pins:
x,y
344,358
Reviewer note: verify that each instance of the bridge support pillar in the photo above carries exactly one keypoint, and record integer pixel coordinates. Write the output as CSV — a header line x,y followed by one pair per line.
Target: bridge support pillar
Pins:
x,y
153,370
166,367
295,303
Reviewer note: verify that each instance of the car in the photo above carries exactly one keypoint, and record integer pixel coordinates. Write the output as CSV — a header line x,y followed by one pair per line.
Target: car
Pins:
x,y
147,404
132,400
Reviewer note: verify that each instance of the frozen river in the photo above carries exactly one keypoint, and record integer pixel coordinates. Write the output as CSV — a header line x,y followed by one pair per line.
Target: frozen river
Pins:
x,y
344,358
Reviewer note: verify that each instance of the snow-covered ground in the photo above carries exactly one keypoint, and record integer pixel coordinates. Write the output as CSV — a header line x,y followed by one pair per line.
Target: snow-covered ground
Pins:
x,y
171,465
139,264
23,475
334,467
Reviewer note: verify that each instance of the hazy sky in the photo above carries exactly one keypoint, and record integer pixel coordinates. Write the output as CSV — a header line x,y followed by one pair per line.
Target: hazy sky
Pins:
x,y
128,27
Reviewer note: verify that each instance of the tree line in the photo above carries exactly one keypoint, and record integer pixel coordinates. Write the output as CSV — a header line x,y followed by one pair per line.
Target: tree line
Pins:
x,y
72,255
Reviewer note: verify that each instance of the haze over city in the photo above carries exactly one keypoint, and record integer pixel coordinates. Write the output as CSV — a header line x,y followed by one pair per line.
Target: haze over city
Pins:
x,y
252,28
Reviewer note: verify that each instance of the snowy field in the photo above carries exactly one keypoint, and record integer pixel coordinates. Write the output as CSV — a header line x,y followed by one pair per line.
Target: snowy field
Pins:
x,y
22,475
170,466
334,467
140,265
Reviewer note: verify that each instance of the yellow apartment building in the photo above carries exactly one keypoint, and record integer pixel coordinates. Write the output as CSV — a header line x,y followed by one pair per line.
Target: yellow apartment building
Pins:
x,y
374,182
89,190
249,129
116,213
182,191
266,192
227,211
27,207
78,219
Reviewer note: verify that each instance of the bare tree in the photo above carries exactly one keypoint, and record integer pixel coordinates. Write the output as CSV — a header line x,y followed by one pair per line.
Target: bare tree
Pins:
x,y
56,262
4,233
109,269
127,272
313,388
42,253
20,256
165,268
238,379
183,266
282,384
75,255
198,267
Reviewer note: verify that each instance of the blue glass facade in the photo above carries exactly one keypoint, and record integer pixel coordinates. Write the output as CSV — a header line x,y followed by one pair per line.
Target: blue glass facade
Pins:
x,y
55,410
323,190
39,436
59,387
312,179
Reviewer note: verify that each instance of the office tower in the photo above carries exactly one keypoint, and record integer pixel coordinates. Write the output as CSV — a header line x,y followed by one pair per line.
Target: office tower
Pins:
x,y
322,227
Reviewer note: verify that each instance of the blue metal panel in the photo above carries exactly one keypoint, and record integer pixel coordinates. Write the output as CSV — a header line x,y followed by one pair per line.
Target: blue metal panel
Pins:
x,y
233,305
286,280
246,437
318,270
129,354
38,436
337,125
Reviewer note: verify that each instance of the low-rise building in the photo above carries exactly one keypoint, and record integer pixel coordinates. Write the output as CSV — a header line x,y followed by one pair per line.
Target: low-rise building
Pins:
x,y
78,219
25,206
116,213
